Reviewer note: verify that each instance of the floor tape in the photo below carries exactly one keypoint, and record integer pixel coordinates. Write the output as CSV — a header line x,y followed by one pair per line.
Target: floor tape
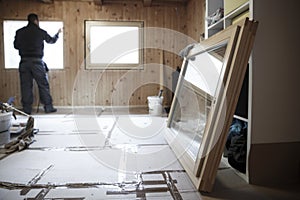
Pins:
x,y
140,187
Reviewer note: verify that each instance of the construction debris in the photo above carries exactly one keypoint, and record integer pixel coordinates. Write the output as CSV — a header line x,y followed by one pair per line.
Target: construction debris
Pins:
x,y
26,135
23,140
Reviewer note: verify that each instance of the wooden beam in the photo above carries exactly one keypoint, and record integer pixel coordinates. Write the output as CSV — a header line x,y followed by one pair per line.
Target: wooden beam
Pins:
x,y
46,1
98,2
147,2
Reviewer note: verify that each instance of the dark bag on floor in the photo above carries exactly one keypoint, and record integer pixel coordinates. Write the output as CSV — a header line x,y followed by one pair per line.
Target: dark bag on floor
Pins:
x,y
236,146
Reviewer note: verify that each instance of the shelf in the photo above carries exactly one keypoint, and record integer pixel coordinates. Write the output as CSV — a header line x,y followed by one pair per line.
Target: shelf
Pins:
x,y
240,118
238,11
218,25
226,20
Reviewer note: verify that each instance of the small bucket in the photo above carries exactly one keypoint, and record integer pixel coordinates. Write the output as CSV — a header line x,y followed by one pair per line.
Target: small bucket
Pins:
x,y
4,137
155,105
5,123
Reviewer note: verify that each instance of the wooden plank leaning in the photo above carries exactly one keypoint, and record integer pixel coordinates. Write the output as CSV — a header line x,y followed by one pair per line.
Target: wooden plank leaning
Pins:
x,y
212,159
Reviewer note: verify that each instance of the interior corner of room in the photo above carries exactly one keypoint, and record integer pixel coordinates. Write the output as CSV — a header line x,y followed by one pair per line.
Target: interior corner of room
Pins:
x,y
156,99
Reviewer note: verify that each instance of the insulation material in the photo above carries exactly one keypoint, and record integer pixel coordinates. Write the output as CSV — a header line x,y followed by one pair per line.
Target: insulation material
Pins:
x,y
126,158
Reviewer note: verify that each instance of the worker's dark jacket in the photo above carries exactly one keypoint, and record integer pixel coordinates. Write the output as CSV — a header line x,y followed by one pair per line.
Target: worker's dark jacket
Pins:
x,y
29,40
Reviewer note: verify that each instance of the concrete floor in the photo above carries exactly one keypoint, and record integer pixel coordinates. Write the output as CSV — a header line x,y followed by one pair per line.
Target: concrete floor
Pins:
x,y
111,155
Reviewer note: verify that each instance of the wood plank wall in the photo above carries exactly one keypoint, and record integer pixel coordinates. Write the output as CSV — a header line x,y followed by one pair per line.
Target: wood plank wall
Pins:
x,y
75,86
196,19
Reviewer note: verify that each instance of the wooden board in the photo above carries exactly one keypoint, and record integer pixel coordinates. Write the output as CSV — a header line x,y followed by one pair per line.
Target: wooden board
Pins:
x,y
229,102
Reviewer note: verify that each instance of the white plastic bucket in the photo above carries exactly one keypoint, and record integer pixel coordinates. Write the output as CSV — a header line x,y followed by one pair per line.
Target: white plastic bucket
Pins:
x,y
155,105
5,123
4,137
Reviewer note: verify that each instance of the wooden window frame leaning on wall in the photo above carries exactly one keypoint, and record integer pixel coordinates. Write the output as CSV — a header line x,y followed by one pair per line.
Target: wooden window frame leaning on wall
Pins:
x,y
203,168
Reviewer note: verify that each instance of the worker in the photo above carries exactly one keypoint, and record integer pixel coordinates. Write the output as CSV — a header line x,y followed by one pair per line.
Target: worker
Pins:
x,y
29,40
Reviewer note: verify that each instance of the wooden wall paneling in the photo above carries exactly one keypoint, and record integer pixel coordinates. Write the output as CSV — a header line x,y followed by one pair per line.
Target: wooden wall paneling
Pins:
x,y
56,77
69,56
73,14
161,73
171,61
120,88
9,79
151,75
1,48
10,85
87,78
2,81
196,18
100,92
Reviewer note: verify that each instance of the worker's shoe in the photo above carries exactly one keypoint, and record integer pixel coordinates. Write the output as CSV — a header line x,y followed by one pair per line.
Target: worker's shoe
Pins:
x,y
27,110
49,109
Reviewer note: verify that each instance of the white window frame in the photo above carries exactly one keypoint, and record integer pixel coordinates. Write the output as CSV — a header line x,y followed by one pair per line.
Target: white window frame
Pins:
x,y
53,53
111,51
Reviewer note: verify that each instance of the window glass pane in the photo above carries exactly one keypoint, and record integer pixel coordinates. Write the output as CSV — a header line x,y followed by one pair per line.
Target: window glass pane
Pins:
x,y
53,53
204,70
114,45
11,55
101,34
198,88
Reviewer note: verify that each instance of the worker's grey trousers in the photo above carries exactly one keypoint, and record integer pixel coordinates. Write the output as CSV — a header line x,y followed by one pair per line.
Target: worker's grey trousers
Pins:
x,y
29,69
